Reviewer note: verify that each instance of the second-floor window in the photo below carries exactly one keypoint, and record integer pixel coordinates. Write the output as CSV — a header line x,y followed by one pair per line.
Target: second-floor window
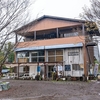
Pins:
x,y
37,56
23,56
76,67
70,34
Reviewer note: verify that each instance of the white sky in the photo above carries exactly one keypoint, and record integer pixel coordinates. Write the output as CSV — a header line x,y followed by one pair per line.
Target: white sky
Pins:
x,y
61,8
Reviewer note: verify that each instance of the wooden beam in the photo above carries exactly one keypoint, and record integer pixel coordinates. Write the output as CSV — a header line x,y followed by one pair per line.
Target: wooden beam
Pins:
x,y
85,60
57,33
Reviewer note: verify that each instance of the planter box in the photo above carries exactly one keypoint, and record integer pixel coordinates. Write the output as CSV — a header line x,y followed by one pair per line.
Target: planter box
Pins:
x,y
98,77
63,79
0,88
4,86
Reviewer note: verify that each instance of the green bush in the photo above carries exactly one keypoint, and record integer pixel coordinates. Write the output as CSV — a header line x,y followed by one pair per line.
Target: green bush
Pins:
x,y
54,75
38,77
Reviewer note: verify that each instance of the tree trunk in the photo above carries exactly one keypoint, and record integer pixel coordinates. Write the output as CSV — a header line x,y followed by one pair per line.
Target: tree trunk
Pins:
x,y
0,71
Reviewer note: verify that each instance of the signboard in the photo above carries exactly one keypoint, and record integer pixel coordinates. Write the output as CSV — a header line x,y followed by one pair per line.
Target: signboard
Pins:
x,y
73,53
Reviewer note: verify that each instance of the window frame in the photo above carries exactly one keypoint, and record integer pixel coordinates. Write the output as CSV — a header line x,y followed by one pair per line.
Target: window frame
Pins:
x,y
37,56
55,55
22,56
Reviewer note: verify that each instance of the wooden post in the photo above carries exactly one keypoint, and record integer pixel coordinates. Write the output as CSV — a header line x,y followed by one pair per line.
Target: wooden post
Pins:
x,y
57,69
83,31
45,65
45,71
85,61
37,70
63,68
57,33
18,70
34,35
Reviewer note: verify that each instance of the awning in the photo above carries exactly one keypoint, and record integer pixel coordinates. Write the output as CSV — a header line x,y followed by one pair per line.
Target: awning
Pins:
x,y
91,44
11,65
5,70
50,47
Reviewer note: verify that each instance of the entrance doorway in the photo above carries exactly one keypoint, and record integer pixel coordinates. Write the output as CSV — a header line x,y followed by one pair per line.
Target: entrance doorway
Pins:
x,y
50,70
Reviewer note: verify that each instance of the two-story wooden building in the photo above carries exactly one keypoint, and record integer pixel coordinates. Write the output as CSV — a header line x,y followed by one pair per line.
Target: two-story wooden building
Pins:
x,y
54,44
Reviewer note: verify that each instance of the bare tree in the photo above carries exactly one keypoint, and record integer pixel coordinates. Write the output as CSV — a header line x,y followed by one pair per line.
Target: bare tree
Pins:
x,y
92,13
92,16
13,14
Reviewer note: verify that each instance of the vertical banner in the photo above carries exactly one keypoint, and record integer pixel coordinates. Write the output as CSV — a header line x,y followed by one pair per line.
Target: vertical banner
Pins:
x,y
96,69
38,69
60,68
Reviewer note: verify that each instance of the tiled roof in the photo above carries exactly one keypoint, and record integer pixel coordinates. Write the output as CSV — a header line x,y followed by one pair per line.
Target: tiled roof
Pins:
x,y
50,42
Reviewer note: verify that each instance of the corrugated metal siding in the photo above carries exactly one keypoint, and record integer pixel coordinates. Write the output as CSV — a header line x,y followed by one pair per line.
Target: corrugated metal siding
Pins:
x,y
78,59
73,59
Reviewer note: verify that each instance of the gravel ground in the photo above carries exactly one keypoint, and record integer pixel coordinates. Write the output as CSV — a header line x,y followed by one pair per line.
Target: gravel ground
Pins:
x,y
51,90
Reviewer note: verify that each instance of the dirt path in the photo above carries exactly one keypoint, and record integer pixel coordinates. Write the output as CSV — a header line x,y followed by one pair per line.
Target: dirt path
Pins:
x,y
51,90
